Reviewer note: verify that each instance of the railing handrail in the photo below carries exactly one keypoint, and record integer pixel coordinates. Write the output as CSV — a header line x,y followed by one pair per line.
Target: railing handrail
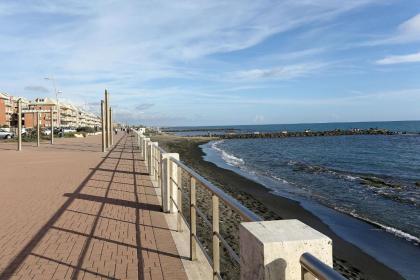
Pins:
x,y
318,269
309,263
244,212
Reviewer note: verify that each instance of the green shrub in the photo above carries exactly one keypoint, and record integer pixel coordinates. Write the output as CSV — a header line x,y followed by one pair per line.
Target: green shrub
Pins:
x,y
86,129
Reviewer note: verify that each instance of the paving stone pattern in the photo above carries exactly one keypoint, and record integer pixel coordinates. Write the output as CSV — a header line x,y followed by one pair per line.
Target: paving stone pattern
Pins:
x,y
102,222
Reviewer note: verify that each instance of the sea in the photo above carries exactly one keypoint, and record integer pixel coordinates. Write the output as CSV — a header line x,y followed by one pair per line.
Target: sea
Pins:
x,y
365,187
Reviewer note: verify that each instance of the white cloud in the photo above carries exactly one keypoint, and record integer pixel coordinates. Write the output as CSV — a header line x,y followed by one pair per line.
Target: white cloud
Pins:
x,y
286,72
396,59
92,45
139,40
407,32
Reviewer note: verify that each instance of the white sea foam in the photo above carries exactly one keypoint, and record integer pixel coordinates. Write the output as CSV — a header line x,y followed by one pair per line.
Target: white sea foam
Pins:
x,y
394,231
352,178
280,179
228,158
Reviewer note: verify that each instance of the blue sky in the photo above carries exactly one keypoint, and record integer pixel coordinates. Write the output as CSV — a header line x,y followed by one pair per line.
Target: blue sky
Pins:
x,y
209,62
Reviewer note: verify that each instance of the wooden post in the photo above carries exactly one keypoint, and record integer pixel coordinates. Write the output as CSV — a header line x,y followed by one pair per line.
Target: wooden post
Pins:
x,y
52,125
193,221
106,120
38,130
19,148
103,125
111,127
109,124
216,241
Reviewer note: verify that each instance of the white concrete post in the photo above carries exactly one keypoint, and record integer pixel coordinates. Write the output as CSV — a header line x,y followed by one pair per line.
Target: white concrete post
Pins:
x,y
154,163
151,160
143,150
139,141
145,140
146,152
271,249
141,144
169,170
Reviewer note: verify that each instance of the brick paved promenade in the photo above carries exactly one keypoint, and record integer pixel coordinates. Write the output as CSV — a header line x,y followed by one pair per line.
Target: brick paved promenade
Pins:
x,y
69,212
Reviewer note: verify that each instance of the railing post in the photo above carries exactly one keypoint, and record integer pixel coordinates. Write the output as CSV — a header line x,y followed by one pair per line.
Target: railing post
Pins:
x,y
169,175
153,155
154,168
139,141
148,153
178,171
144,148
272,249
216,241
193,220
157,167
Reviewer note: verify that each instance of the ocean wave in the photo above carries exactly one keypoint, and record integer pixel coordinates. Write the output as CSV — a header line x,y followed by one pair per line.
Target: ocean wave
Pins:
x,y
228,158
317,169
280,179
304,192
397,232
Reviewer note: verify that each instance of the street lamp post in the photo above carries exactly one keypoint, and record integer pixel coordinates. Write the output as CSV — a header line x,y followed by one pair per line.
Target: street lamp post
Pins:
x,y
52,79
52,125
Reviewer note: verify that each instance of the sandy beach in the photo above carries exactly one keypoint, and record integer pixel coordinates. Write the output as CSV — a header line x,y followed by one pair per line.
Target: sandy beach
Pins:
x,y
348,259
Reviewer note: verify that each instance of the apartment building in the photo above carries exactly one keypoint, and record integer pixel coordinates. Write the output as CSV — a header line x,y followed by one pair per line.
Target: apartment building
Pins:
x,y
3,99
64,114
68,115
41,104
7,108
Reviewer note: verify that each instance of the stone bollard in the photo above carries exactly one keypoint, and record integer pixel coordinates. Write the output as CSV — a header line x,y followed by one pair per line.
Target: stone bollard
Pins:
x,y
169,169
271,249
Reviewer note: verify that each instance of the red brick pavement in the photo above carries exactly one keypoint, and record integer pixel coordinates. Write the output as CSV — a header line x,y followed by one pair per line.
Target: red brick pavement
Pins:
x,y
109,227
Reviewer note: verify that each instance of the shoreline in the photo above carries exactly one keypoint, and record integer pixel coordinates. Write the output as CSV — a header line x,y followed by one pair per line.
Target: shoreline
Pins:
x,y
261,200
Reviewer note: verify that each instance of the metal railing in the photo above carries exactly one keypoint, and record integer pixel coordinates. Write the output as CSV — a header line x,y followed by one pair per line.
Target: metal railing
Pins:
x,y
216,195
314,267
311,266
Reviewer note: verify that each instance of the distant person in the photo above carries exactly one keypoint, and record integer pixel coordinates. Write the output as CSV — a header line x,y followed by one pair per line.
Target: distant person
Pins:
x,y
116,131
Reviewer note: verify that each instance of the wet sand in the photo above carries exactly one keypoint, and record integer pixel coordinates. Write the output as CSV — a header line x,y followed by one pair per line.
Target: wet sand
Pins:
x,y
348,259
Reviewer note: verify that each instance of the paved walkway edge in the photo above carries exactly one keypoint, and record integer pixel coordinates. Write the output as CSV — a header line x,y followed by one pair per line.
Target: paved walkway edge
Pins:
x,y
199,269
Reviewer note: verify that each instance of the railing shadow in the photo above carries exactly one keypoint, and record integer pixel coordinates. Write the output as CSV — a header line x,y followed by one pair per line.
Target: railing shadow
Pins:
x,y
30,248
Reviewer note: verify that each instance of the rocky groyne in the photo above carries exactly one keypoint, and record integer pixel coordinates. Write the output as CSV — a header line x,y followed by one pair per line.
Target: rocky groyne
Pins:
x,y
306,133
